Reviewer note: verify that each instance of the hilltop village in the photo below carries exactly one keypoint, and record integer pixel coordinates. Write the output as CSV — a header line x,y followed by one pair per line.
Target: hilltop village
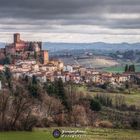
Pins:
x,y
29,59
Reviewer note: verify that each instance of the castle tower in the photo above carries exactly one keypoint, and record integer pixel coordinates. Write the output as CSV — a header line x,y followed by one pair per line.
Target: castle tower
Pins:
x,y
45,56
16,38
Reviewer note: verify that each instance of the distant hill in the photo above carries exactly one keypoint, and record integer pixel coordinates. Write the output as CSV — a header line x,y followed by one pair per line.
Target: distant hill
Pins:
x,y
97,46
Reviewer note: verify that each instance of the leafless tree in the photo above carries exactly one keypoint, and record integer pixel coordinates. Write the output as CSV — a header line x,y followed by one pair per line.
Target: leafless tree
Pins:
x,y
79,115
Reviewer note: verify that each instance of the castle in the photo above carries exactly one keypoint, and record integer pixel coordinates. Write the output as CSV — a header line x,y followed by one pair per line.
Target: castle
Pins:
x,y
23,50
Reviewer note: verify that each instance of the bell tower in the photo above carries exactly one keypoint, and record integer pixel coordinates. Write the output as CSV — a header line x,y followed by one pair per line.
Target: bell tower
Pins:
x,y
16,38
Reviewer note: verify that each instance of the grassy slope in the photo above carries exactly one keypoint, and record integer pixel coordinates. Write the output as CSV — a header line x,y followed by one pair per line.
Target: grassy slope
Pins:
x,y
131,99
92,134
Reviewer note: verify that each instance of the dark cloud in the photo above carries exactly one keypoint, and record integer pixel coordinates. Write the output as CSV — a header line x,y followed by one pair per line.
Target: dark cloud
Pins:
x,y
46,13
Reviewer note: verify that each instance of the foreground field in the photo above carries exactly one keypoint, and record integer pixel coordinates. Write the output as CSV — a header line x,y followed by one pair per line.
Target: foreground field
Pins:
x,y
91,134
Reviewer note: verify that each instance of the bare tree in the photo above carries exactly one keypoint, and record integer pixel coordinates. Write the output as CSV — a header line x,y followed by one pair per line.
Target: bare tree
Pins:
x,y
4,103
79,115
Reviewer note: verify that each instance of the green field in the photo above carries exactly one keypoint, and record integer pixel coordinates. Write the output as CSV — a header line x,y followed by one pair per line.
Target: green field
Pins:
x,y
133,99
130,99
119,69
91,134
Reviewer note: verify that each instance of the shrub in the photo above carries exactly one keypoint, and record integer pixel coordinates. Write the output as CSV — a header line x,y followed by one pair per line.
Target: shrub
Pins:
x,y
45,122
95,105
134,123
105,124
29,123
132,108
118,125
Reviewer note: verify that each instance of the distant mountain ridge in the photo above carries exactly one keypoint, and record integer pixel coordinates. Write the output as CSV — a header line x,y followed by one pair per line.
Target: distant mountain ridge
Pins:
x,y
97,46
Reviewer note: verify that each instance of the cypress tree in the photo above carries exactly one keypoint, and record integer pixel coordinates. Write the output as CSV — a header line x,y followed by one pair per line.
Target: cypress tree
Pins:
x,y
126,68
61,93
8,76
133,68
130,68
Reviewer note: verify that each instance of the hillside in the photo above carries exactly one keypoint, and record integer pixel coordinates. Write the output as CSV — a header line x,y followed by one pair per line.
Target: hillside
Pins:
x,y
97,46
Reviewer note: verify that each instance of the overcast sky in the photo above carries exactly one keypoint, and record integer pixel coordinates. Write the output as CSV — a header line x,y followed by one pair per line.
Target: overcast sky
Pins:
x,y
71,20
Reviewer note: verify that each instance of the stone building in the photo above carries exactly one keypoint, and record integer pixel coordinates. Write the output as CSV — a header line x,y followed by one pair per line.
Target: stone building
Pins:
x,y
24,50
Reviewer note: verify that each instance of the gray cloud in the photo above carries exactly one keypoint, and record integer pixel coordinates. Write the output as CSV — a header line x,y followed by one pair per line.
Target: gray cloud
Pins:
x,y
30,15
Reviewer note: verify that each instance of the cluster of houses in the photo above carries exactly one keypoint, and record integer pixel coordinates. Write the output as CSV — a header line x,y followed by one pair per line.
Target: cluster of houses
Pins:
x,y
56,69
23,68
